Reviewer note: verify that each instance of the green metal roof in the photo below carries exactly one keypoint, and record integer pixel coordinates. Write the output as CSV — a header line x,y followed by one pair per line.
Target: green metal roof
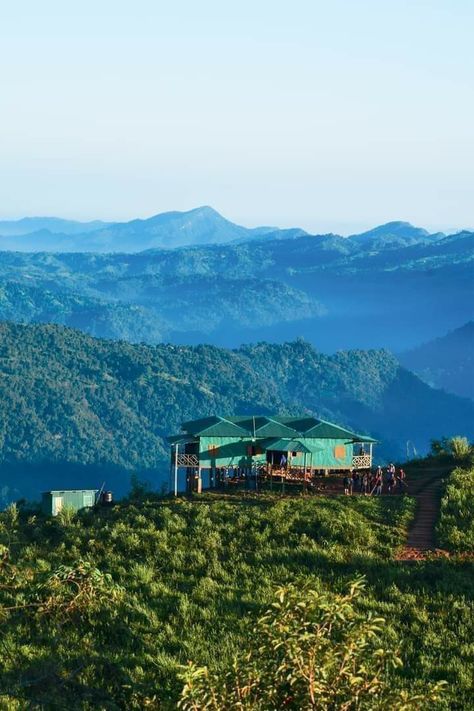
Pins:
x,y
71,491
181,439
289,445
264,426
214,427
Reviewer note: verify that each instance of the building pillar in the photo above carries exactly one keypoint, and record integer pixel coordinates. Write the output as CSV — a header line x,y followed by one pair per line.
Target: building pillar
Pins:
x,y
175,483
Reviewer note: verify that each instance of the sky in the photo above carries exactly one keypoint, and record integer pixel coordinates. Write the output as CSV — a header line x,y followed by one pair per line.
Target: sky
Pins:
x,y
331,115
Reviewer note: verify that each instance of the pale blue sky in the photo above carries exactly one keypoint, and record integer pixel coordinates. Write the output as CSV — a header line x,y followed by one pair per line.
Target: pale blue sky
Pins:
x,y
329,115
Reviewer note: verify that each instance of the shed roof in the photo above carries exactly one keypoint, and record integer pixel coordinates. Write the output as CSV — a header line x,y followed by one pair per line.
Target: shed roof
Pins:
x,y
214,427
259,426
181,439
71,491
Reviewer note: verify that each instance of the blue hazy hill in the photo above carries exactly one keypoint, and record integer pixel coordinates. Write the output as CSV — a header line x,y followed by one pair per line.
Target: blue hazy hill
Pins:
x,y
395,234
202,225
54,225
197,227
446,362
333,291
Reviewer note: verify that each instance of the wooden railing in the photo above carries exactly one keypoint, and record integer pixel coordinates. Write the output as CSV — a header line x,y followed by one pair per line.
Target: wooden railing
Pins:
x,y
188,460
362,461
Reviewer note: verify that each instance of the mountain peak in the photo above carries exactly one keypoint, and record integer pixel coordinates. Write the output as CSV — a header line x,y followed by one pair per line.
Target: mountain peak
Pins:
x,y
396,233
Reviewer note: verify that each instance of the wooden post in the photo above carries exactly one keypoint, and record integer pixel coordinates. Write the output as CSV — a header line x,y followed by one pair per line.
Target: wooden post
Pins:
x,y
176,469
288,467
199,482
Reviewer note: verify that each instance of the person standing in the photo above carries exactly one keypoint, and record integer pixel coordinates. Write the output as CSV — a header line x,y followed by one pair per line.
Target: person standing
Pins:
x,y
365,483
390,480
401,479
379,484
347,483
355,481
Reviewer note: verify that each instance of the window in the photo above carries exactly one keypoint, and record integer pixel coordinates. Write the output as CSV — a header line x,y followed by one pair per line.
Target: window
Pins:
x,y
340,451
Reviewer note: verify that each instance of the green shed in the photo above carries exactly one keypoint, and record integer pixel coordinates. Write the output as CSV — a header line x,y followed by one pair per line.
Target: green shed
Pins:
x,y
212,449
54,501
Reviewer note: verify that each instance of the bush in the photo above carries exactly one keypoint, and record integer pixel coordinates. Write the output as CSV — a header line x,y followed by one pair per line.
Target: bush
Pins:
x,y
459,447
456,523
311,650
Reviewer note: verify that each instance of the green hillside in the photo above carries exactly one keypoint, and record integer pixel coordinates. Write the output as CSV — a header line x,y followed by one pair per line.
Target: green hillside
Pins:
x,y
76,411
446,362
104,610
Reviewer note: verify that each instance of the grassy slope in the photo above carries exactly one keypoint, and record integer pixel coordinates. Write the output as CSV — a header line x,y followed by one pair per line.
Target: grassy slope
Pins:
x,y
456,521
194,571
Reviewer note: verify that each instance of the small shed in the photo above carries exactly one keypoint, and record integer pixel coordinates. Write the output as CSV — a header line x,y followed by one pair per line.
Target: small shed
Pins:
x,y
54,501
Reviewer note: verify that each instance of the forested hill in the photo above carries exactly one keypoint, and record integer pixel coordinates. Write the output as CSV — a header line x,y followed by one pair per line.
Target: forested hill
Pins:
x,y
446,362
76,410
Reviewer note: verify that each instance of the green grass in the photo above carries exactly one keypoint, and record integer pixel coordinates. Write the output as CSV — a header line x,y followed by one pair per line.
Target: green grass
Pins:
x,y
188,575
456,522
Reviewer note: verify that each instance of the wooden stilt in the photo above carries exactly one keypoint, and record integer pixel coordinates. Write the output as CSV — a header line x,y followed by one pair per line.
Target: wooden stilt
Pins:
x,y
304,473
176,469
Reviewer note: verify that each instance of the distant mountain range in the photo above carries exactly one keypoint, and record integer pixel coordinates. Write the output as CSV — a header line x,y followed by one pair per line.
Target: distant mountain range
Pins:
x,y
75,411
197,227
53,225
336,292
200,226
446,362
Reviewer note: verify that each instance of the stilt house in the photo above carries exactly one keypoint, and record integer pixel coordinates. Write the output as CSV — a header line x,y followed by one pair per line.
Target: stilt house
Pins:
x,y
215,448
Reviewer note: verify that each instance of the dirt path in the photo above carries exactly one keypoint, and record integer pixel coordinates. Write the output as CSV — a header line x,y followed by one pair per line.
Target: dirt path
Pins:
x,y
426,488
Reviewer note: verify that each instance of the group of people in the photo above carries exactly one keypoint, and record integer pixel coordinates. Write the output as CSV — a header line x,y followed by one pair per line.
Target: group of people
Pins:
x,y
373,482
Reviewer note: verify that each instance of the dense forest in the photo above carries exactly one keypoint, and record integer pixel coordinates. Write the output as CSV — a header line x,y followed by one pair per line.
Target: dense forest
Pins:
x,y
76,411
446,362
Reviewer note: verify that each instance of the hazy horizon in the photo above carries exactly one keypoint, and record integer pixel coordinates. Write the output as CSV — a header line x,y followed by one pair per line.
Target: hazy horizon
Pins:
x,y
337,227
330,117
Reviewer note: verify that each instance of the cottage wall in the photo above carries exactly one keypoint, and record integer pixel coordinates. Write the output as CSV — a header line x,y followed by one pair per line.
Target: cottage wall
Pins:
x,y
232,451
226,451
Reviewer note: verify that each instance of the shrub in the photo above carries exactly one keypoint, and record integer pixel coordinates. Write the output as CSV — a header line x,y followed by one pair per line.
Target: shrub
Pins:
x,y
311,650
456,523
460,447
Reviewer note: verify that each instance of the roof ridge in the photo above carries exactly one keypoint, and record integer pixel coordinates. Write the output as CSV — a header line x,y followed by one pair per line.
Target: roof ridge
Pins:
x,y
281,424
234,424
